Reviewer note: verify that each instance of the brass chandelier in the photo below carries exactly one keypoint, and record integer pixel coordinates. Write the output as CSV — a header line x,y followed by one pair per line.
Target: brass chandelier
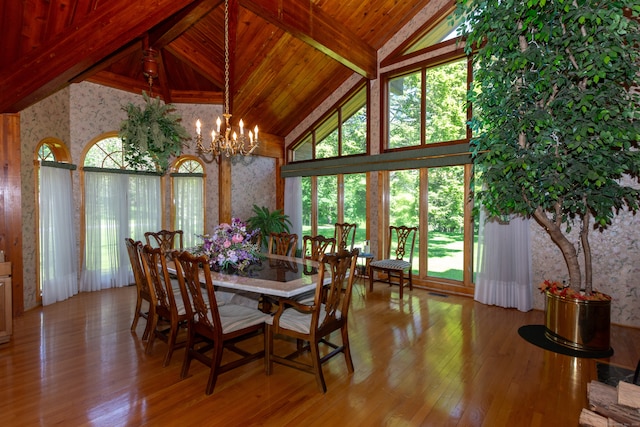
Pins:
x,y
225,140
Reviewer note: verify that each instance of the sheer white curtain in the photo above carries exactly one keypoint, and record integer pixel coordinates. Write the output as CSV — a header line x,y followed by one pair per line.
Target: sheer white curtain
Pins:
x,y
293,204
145,206
189,207
504,264
58,246
116,206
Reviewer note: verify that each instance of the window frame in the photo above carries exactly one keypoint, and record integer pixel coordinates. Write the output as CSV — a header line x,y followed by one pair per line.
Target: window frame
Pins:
x,y
175,172
310,136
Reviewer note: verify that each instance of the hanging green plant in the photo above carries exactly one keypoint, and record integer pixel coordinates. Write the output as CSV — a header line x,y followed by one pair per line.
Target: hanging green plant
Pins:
x,y
152,135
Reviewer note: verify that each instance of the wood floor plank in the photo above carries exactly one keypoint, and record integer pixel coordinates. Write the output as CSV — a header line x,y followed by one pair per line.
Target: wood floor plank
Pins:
x,y
429,360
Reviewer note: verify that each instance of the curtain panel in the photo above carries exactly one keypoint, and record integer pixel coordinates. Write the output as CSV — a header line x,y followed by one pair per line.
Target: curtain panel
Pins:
x,y
116,206
58,246
189,208
504,263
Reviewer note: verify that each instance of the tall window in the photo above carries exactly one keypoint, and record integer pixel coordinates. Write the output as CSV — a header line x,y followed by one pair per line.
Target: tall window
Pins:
x,y
327,199
342,132
445,213
327,203
355,206
187,186
404,203
427,106
119,202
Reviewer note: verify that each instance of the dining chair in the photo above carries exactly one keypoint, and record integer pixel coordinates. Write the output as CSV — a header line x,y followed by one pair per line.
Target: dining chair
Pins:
x,y
143,292
314,247
167,240
213,327
312,323
282,244
401,243
170,315
345,235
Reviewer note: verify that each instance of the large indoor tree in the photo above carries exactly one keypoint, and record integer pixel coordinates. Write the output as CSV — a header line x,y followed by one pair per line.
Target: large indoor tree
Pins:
x,y
555,123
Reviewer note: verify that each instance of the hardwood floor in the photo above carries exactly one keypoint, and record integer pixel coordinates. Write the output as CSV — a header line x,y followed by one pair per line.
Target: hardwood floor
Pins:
x,y
431,360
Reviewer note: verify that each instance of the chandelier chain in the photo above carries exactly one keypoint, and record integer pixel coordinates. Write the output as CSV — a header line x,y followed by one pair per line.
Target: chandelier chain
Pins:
x,y
227,142
226,57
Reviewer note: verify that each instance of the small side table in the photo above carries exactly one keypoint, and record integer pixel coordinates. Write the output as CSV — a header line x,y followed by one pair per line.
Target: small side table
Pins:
x,y
362,270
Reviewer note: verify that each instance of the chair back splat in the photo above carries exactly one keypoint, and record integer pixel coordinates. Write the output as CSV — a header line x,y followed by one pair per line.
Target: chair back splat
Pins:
x,y
213,327
143,292
282,244
400,246
167,240
313,322
345,235
314,247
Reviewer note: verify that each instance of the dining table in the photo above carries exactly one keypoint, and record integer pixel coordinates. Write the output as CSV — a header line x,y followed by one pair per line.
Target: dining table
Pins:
x,y
276,276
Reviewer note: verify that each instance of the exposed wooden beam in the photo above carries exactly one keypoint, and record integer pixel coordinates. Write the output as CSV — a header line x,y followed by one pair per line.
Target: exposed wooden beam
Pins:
x,y
116,81
163,80
49,68
196,97
310,24
121,53
191,52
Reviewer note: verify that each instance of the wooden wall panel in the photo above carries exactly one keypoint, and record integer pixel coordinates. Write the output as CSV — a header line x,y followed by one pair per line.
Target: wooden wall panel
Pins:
x,y
10,204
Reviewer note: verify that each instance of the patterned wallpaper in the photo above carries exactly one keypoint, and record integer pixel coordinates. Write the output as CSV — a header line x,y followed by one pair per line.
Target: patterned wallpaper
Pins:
x,y
79,114
48,118
248,175
616,265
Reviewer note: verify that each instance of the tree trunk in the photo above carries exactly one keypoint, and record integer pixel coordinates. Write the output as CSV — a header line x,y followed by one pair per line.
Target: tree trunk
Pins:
x,y
568,250
584,238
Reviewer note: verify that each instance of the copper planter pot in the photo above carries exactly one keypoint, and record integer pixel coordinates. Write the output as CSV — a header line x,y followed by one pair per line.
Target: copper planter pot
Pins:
x,y
580,325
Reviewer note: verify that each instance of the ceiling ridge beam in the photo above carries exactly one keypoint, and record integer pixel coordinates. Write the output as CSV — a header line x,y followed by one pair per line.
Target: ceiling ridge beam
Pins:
x,y
315,27
169,30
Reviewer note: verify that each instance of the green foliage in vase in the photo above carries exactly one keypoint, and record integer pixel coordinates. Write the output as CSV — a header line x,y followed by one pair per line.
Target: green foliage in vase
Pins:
x,y
268,222
555,126
154,131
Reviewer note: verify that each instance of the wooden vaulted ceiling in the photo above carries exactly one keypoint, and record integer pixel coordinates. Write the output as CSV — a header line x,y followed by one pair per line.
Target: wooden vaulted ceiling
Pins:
x,y
287,55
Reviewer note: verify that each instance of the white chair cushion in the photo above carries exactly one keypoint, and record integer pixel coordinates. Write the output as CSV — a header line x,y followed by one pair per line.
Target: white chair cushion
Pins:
x,y
306,298
180,303
297,321
235,317
391,264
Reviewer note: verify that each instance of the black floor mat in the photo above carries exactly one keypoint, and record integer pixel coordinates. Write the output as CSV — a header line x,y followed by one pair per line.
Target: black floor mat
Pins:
x,y
535,335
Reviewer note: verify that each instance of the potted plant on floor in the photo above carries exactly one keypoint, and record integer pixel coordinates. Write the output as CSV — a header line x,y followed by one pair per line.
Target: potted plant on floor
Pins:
x,y
268,222
556,131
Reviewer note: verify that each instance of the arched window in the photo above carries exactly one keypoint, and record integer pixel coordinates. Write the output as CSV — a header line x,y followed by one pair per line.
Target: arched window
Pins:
x,y
57,246
119,202
187,198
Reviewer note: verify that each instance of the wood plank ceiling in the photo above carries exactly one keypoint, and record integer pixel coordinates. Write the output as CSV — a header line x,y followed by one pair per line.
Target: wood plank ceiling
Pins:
x,y
287,55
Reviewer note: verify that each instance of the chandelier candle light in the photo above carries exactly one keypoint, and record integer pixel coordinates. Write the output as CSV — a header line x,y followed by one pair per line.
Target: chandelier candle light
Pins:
x,y
226,141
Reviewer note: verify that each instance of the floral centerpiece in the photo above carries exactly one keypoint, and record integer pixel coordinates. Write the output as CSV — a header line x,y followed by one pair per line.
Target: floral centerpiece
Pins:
x,y
231,247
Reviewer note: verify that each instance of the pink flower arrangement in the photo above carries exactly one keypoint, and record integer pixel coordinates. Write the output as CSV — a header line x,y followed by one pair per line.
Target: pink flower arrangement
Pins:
x,y
566,292
230,247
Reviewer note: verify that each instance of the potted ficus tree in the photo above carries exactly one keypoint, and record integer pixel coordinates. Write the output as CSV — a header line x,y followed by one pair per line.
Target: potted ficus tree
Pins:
x,y
151,135
556,132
